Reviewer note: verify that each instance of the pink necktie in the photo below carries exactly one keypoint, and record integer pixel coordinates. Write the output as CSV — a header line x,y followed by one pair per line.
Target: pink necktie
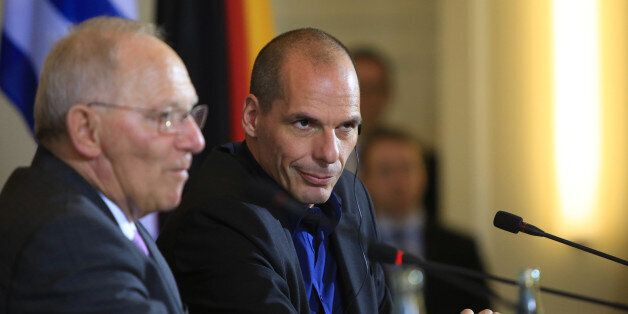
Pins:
x,y
137,240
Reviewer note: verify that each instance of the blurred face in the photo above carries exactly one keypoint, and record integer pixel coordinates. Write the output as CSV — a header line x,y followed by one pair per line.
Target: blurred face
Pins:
x,y
145,168
373,88
395,177
305,139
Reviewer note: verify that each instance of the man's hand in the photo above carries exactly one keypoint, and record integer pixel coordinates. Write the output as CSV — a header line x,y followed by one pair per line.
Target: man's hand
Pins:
x,y
487,311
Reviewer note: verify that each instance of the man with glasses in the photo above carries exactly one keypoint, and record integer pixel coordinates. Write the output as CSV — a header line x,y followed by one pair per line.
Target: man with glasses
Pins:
x,y
116,127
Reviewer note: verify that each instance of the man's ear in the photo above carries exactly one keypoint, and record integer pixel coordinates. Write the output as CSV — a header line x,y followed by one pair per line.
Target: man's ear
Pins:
x,y
83,132
250,115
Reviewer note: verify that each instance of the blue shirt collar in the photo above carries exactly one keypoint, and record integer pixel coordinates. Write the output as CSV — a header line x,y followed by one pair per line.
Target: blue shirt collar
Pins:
x,y
325,216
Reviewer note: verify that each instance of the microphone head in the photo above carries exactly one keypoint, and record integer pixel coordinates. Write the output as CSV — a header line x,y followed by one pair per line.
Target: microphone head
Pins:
x,y
507,221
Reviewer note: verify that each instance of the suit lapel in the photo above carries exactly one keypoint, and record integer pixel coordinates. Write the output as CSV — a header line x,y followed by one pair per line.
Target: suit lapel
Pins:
x,y
160,264
350,258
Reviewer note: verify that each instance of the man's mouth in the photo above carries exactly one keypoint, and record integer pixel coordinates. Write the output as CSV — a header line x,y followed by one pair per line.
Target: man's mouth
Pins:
x,y
317,179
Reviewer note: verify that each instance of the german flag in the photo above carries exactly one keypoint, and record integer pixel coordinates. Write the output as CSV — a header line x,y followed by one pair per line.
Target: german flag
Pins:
x,y
249,28
218,41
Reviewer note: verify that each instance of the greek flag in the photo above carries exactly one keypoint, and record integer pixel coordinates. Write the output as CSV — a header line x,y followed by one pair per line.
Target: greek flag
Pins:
x,y
31,27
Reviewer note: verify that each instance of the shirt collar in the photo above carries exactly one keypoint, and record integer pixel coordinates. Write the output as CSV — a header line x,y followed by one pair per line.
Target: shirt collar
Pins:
x,y
324,216
128,227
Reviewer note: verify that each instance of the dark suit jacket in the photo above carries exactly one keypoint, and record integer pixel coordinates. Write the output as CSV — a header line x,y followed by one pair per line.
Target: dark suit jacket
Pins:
x,y
63,252
445,246
230,245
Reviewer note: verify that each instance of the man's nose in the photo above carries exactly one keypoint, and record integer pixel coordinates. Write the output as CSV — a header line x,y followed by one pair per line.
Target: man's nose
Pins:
x,y
190,137
327,147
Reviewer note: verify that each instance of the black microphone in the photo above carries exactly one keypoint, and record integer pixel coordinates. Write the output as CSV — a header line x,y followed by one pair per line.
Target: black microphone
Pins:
x,y
387,254
513,223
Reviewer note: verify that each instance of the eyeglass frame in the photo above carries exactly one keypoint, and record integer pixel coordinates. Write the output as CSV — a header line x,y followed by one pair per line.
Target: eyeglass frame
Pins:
x,y
166,125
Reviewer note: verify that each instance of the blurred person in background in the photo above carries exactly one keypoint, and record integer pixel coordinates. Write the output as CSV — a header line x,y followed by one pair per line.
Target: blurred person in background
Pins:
x,y
393,169
374,75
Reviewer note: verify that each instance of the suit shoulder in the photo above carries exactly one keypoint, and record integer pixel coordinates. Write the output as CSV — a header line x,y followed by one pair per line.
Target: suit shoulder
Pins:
x,y
62,244
217,227
55,211
75,224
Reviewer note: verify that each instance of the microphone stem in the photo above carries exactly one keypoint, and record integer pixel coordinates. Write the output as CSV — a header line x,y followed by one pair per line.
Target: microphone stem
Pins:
x,y
586,249
616,305
474,274
474,288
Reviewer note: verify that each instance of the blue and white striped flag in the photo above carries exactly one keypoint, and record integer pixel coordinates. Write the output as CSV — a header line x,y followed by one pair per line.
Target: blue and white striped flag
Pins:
x,y
31,27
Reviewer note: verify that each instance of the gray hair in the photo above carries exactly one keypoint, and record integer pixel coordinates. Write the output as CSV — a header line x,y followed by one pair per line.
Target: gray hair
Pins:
x,y
81,68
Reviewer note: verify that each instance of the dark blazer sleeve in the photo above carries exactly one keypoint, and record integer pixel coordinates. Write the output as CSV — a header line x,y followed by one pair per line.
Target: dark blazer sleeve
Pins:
x,y
235,265
74,263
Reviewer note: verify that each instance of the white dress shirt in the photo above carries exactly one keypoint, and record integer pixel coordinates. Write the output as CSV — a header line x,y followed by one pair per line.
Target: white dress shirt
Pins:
x,y
127,226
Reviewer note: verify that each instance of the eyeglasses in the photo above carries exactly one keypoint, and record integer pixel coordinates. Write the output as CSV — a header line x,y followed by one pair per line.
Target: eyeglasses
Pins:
x,y
170,119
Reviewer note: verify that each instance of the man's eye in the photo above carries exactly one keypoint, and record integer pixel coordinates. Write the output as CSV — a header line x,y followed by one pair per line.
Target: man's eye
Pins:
x,y
302,124
165,116
347,127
